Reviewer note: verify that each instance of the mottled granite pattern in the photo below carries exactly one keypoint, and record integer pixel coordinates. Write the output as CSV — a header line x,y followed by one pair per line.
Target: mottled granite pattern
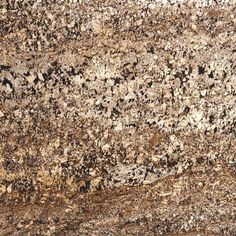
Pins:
x,y
117,117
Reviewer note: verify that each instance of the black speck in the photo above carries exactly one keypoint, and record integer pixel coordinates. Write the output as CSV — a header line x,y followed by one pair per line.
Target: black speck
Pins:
x,y
211,75
6,81
117,80
201,70
169,65
85,188
190,70
211,119
186,109
151,50
115,112
4,67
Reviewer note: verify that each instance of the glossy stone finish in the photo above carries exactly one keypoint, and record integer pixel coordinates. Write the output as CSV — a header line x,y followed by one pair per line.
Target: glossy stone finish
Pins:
x,y
117,118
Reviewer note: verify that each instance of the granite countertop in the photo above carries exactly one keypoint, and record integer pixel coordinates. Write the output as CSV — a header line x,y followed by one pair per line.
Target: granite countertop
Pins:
x,y
117,117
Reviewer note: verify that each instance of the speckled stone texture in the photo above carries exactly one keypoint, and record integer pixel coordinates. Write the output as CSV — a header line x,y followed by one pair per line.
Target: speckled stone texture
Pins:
x,y
117,118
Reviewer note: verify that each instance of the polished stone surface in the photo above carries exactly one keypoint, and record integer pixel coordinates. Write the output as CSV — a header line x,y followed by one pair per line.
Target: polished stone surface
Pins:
x,y
117,118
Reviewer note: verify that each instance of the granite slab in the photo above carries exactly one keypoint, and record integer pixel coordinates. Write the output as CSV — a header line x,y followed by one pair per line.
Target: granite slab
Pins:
x,y
117,117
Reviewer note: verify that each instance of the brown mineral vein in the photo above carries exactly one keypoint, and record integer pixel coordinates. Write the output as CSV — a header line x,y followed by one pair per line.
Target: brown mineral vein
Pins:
x,y
132,209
